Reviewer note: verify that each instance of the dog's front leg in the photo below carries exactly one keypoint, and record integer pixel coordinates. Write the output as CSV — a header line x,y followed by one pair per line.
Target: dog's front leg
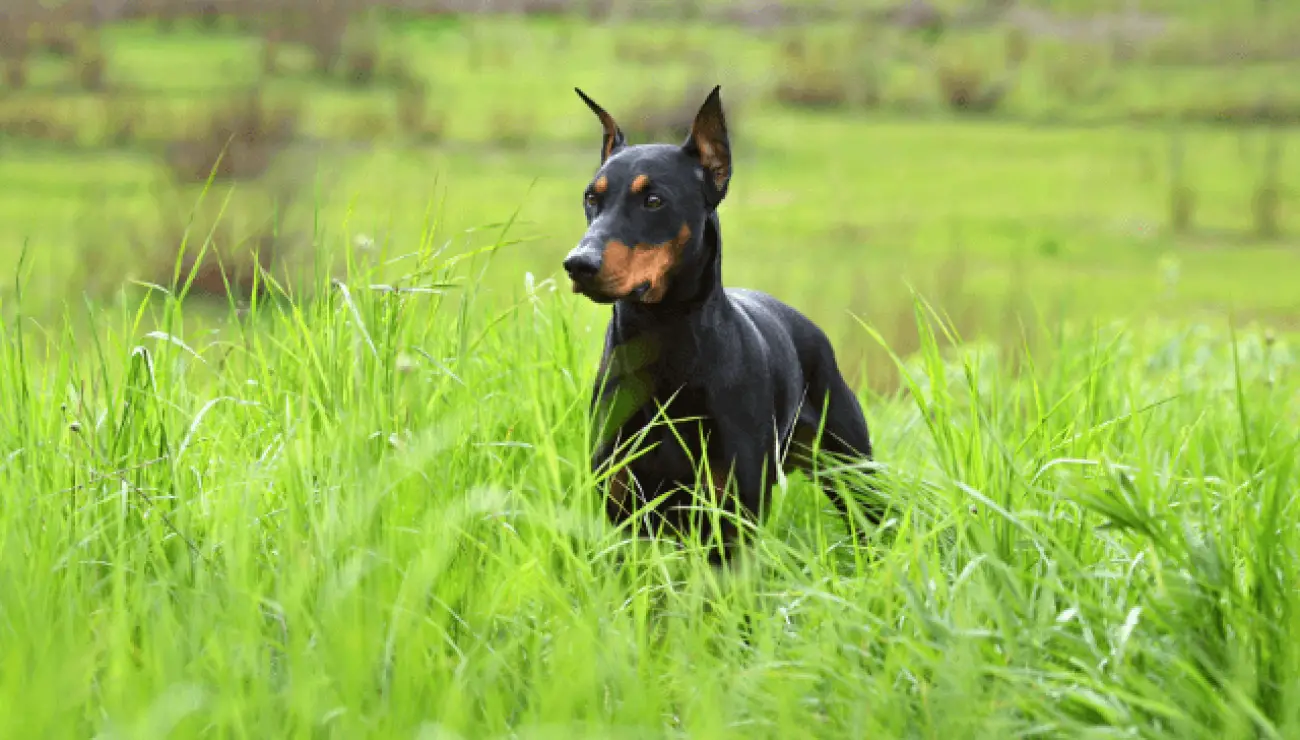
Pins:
x,y
739,456
614,403
619,487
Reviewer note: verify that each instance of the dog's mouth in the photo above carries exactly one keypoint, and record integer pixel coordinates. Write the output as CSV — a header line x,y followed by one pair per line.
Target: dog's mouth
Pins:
x,y
595,294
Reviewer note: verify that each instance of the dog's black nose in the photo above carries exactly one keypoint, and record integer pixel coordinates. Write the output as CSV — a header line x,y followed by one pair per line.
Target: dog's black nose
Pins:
x,y
582,264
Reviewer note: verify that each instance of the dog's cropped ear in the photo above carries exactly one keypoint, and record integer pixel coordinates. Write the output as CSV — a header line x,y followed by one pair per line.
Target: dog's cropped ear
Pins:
x,y
708,143
613,138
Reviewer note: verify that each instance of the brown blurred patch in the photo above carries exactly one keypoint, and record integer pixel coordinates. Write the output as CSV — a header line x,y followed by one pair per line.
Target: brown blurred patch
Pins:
x,y
969,87
661,115
237,139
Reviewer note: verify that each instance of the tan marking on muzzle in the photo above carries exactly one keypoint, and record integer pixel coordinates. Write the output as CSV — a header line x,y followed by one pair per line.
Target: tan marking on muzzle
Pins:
x,y
623,269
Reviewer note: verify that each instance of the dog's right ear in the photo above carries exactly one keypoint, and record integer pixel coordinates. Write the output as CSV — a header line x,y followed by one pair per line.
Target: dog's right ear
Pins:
x,y
708,142
613,138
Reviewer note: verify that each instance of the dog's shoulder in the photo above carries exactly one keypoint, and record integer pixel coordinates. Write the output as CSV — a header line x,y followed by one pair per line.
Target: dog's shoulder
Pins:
x,y
755,300
771,314
765,307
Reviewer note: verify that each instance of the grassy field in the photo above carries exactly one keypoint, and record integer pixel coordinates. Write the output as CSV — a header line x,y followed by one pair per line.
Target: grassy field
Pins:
x,y
344,520
364,512
1060,203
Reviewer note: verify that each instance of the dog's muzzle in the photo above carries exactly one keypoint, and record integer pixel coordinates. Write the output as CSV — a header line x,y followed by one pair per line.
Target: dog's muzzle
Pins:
x,y
583,265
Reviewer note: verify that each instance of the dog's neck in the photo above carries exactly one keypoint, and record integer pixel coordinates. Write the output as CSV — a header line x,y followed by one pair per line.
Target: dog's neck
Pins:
x,y
689,294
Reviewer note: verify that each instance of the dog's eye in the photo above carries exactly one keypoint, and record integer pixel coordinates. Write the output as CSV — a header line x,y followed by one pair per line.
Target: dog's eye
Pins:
x,y
590,199
653,201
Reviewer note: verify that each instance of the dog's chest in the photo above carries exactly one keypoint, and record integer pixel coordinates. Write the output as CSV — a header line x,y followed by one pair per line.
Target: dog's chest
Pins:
x,y
659,381
676,432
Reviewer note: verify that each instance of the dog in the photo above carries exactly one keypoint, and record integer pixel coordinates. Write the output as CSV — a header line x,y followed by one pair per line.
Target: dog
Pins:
x,y
752,377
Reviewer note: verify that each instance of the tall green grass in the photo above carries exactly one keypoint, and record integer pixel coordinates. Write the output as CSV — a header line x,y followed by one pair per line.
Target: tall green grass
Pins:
x,y
367,512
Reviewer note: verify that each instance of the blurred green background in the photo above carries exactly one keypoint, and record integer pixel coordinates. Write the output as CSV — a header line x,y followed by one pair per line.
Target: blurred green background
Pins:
x,y
1018,163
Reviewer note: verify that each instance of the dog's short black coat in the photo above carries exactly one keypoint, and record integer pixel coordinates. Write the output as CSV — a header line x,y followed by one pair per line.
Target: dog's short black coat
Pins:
x,y
755,378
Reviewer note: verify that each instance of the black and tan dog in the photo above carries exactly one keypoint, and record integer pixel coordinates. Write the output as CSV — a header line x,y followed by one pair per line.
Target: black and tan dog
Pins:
x,y
756,380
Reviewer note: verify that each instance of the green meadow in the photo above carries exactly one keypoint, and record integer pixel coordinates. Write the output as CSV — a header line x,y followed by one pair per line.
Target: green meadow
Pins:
x,y
360,505
1061,202
348,520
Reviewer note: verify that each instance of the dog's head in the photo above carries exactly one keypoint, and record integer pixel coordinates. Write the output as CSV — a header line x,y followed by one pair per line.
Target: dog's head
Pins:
x,y
648,208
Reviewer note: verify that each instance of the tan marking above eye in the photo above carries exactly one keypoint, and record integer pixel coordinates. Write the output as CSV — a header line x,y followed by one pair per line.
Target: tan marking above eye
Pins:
x,y
624,268
602,184
641,182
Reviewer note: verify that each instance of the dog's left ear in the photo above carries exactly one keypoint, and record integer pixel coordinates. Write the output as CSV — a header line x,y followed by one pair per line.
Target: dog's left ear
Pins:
x,y
708,143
